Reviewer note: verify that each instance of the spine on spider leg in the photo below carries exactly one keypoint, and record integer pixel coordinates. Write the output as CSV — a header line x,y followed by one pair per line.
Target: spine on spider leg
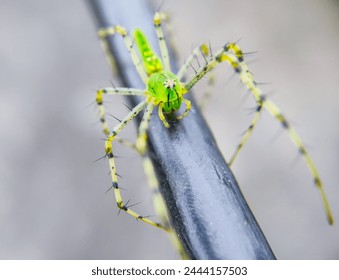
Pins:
x,y
186,176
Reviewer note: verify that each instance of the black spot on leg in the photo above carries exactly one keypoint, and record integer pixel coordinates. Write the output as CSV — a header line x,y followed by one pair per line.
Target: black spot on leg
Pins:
x,y
115,185
123,207
237,69
317,181
262,98
284,123
302,150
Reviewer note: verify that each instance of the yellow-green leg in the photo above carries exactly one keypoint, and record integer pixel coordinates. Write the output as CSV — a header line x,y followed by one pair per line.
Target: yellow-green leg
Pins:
x,y
161,115
232,54
109,153
202,49
162,43
112,91
148,166
247,134
158,201
108,31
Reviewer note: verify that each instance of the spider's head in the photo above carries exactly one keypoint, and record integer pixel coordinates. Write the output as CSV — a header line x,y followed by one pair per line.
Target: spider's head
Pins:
x,y
165,88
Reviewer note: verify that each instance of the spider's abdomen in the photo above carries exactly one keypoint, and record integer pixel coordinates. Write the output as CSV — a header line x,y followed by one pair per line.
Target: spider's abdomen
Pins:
x,y
151,61
164,87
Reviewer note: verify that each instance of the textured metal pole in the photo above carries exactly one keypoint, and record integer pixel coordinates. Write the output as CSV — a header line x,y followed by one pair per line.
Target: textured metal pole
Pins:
x,y
206,206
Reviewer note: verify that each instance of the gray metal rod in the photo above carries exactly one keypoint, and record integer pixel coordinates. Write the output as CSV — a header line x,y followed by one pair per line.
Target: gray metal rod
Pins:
x,y
206,206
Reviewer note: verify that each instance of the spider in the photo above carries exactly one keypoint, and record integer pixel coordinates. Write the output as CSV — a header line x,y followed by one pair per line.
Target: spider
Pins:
x,y
166,90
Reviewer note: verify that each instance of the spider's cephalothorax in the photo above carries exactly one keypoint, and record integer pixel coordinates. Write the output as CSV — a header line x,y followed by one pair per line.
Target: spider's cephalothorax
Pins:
x,y
166,90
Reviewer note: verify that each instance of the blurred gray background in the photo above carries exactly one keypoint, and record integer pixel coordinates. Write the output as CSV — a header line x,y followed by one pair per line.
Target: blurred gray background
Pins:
x,y
52,195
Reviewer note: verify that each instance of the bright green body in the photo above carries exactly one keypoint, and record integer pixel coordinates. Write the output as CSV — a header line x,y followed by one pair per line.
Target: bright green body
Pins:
x,y
152,63
163,86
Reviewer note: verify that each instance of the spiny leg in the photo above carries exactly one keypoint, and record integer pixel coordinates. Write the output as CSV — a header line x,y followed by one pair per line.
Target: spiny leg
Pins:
x,y
165,17
202,49
112,91
158,201
159,204
247,134
236,60
105,32
142,131
162,43
274,111
148,166
248,79
109,152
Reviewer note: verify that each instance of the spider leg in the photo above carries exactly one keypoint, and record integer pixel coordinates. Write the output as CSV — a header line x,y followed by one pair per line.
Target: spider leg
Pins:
x,y
108,31
126,143
158,201
142,131
109,153
158,17
274,111
148,166
161,115
159,204
233,55
112,91
247,134
203,49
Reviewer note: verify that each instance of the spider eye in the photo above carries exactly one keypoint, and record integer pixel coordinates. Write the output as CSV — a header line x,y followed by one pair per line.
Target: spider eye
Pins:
x,y
169,84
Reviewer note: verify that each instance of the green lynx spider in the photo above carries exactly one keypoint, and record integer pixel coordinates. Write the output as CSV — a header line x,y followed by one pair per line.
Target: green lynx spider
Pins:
x,y
165,90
